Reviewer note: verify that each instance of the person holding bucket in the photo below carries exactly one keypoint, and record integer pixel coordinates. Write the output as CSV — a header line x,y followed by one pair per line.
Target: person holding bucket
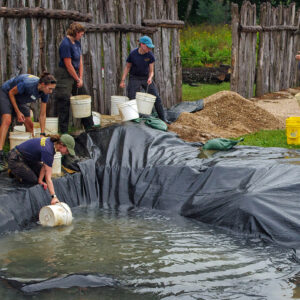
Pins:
x,y
15,94
32,160
140,66
70,76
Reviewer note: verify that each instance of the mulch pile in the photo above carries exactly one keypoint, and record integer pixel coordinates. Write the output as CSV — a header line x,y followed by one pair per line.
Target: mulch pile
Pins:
x,y
226,114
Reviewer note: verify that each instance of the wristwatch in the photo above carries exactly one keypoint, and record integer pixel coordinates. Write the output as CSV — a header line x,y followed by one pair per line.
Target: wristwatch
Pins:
x,y
53,196
43,133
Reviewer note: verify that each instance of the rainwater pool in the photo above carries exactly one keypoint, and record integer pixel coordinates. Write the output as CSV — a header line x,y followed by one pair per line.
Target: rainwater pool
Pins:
x,y
152,255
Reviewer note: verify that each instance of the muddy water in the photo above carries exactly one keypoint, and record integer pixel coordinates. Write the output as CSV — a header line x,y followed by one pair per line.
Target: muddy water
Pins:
x,y
152,255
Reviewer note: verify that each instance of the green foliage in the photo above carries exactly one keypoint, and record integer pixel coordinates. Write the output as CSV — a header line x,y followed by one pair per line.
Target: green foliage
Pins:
x,y
213,12
205,45
191,93
268,138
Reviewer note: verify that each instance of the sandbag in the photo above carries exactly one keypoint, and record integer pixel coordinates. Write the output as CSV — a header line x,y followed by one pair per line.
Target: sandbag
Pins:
x,y
221,144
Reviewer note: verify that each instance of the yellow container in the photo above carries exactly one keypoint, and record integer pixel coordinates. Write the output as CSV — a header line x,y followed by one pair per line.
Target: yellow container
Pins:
x,y
293,130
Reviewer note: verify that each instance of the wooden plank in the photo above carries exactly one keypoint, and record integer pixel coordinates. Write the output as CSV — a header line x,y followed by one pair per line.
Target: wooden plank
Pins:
x,y
39,12
273,46
163,23
284,51
296,49
234,47
252,54
12,46
167,87
290,58
112,27
242,63
278,53
263,48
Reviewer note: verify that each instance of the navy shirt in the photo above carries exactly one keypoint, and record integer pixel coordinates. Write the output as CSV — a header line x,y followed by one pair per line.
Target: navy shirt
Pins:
x,y
27,88
140,63
38,149
69,50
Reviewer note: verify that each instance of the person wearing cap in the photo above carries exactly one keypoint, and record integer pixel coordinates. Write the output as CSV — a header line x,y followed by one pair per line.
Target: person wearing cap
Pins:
x,y
15,94
140,66
32,160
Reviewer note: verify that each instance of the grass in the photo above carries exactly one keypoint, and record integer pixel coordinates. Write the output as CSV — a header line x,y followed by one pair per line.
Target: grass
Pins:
x,y
267,138
191,93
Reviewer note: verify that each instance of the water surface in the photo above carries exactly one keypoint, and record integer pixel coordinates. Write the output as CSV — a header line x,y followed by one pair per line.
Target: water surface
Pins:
x,y
152,255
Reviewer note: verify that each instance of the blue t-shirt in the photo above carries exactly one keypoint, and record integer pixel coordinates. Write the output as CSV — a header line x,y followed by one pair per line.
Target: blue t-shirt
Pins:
x,y
69,50
27,88
38,149
140,63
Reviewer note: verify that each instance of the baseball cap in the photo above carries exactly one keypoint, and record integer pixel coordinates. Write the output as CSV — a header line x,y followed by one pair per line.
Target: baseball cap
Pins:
x,y
69,142
147,41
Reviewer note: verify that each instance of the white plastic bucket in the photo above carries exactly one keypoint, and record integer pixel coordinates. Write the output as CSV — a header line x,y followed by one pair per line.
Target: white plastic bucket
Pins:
x,y
55,215
19,128
17,138
128,110
96,118
56,166
51,125
81,106
114,101
145,102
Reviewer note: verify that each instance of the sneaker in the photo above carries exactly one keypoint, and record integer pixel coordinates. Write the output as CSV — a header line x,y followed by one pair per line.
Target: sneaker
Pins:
x,y
3,162
3,165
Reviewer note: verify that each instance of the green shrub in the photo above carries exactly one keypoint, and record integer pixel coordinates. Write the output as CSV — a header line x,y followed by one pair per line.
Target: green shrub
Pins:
x,y
205,45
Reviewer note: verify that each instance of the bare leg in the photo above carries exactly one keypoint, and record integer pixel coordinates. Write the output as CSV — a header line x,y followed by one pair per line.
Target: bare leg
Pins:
x,y
6,121
28,124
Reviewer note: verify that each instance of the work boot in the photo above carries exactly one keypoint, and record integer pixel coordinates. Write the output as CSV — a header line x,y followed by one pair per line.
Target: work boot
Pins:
x,y
3,162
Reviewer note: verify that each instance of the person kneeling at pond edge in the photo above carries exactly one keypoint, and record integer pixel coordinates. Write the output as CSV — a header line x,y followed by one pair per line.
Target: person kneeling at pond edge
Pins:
x,y
32,160
15,94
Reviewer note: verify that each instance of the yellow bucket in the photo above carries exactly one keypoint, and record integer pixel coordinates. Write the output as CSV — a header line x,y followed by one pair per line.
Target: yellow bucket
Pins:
x,y
293,130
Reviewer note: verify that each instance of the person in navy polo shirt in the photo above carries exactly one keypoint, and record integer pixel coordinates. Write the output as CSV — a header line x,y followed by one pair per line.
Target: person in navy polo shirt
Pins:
x,y
15,94
32,160
140,66
69,76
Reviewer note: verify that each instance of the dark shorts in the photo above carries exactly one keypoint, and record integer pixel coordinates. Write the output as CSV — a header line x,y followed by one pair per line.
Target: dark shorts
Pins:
x,y
7,108
23,169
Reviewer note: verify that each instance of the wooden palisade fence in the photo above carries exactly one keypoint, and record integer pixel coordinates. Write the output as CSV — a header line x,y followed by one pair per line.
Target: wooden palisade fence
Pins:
x,y
31,31
273,66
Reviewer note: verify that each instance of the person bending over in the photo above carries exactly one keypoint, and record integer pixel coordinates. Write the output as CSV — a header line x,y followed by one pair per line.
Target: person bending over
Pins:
x,y
32,160
15,94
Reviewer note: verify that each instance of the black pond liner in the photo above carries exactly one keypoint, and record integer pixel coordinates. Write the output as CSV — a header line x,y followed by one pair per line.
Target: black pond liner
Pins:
x,y
251,191
92,280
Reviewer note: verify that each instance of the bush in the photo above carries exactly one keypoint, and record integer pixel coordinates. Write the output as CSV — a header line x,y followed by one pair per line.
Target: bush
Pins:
x,y
205,45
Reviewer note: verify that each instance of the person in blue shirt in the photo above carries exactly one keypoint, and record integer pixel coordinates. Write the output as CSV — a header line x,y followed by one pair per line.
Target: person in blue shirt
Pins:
x,y
15,94
32,160
140,66
70,76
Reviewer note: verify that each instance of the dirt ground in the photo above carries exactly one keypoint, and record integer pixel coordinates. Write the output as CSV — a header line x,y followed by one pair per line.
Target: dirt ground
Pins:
x,y
226,114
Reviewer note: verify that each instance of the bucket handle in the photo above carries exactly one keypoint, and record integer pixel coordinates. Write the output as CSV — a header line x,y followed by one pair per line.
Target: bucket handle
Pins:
x,y
67,213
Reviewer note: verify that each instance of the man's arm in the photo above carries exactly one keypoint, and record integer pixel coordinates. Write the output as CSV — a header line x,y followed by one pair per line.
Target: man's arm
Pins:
x,y
80,84
43,116
151,73
47,172
125,73
70,69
